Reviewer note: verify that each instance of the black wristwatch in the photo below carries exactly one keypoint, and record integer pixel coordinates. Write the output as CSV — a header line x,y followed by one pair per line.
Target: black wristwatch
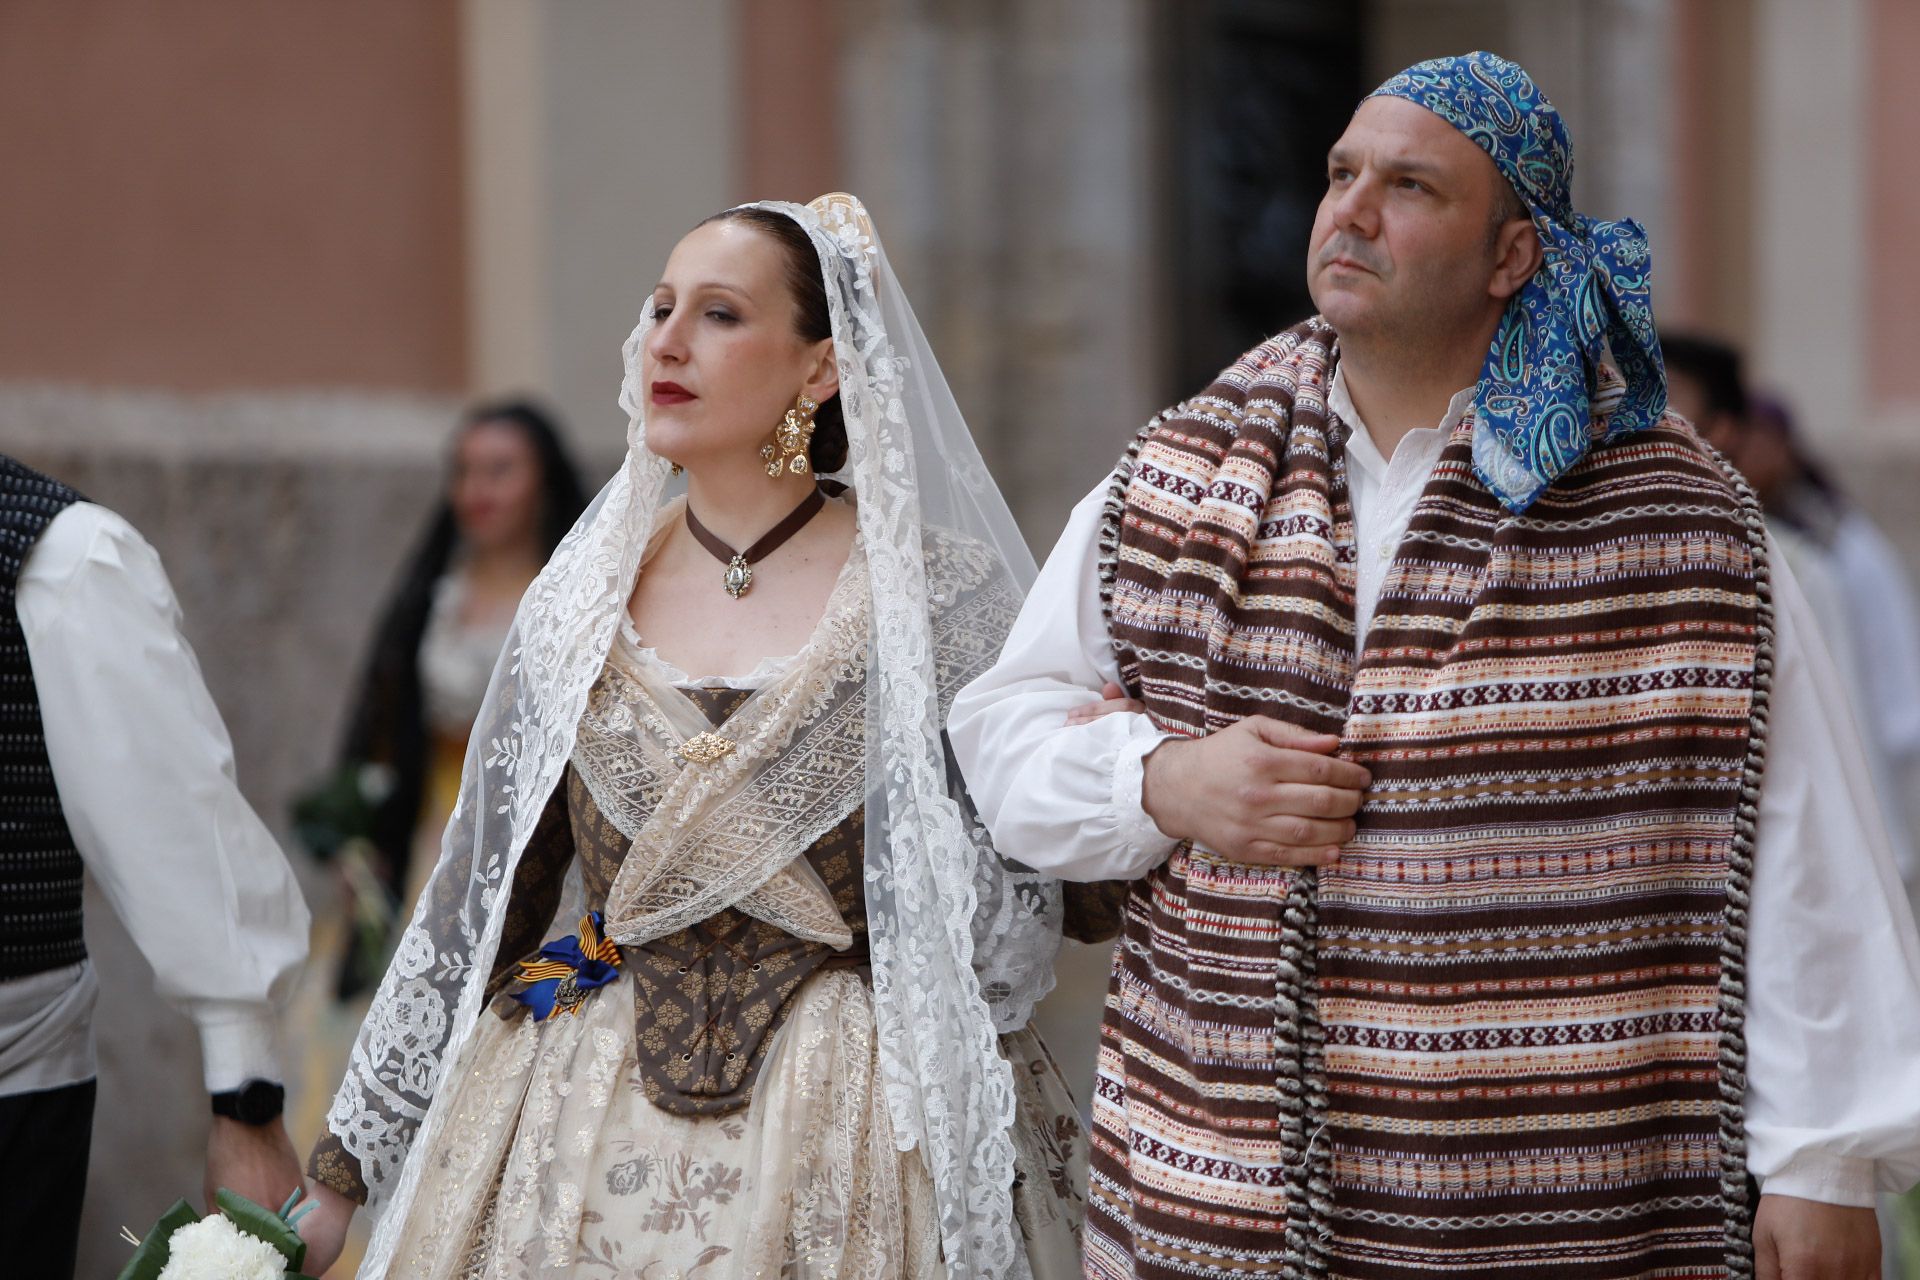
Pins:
x,y
255,1102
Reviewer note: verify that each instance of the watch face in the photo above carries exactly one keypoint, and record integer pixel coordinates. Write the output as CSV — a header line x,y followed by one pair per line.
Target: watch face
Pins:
x,y
259,1102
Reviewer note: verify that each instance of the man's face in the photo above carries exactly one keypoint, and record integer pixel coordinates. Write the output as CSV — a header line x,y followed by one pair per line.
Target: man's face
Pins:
x,y
1402,245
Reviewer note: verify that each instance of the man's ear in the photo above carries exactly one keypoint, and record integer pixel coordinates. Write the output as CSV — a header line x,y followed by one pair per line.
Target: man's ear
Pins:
x,y
1517,257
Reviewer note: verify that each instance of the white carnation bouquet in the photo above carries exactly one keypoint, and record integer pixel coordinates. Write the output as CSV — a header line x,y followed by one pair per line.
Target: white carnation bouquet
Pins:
x,y
242,1241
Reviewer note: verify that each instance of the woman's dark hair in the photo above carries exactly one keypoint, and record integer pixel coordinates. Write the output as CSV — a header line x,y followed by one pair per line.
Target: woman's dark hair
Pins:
x,y
811,320
389,717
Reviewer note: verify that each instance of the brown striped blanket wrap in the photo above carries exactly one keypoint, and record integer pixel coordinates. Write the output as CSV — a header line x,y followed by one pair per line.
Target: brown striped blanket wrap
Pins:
x,y
1502,1036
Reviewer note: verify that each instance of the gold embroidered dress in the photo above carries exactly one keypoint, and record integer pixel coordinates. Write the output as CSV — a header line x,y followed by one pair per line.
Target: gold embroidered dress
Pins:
x,y
716,1109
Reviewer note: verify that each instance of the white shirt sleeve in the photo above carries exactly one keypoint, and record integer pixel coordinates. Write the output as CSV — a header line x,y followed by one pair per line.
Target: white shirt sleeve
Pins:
x,y
146,777
1833,965
1064,799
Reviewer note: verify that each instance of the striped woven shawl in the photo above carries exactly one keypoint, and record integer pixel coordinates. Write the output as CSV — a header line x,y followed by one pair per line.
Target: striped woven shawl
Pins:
x,y
1503,1035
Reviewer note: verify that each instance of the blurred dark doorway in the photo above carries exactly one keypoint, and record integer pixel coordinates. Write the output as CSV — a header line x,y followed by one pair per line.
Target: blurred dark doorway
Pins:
x,y
1257,90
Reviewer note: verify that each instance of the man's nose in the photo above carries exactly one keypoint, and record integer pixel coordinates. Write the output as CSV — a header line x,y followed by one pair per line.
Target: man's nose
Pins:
x,y
1357,209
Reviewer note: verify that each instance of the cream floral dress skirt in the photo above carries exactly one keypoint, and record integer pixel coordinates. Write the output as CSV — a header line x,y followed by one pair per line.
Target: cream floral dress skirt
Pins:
x,y
554,1162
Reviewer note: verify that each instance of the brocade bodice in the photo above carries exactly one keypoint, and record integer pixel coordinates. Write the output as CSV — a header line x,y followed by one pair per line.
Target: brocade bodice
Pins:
x,y
707,998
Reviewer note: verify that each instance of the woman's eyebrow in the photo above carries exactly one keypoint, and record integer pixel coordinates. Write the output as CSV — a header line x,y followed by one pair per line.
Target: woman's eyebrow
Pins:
x,y
708,284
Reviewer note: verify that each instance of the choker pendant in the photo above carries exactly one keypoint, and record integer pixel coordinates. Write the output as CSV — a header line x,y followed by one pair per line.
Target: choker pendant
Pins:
x,y
738,578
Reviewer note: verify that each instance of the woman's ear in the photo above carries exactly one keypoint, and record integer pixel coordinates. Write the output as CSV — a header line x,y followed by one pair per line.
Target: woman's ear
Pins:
x,y
823,377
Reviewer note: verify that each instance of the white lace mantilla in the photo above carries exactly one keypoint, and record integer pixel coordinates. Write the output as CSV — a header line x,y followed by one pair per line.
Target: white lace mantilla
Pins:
x,y
962,941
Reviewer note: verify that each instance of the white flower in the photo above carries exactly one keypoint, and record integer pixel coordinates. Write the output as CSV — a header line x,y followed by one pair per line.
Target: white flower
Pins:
x,y
215,1249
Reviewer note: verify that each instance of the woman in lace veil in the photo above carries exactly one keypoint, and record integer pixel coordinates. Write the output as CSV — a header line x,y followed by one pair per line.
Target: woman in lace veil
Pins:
x,y
718,974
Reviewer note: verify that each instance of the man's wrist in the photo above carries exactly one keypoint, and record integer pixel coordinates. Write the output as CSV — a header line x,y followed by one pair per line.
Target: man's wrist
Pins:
x,y
254,1103
1155,780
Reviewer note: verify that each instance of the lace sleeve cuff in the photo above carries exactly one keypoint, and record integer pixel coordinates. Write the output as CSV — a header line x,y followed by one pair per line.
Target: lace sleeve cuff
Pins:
x,y
333,1166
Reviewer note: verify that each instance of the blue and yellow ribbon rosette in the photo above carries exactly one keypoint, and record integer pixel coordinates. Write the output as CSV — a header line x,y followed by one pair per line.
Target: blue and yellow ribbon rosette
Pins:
x,y
568,969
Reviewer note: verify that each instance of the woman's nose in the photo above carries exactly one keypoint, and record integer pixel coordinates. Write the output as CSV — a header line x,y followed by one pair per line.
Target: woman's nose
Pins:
x,y
663,341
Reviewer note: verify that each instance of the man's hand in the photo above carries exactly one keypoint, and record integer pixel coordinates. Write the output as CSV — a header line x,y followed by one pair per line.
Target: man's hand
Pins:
x,y
1795,1239
1261,791
1113,700
324,1227
257,1161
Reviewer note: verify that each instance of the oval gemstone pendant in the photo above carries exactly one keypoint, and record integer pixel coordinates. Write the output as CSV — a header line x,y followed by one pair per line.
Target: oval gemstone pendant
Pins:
x,y
739,577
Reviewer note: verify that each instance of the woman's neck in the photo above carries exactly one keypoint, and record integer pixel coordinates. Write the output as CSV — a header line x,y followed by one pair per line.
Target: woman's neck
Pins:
x,y
738,504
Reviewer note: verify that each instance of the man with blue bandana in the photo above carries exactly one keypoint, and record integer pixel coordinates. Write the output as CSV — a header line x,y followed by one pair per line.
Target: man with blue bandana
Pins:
x,y
1504,892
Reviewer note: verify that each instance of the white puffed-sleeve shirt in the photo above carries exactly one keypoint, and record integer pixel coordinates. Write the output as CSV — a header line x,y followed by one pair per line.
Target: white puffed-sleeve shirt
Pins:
x,y
146,777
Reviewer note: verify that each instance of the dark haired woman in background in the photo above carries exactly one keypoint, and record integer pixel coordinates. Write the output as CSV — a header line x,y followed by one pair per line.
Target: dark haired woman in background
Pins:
x,y
512,492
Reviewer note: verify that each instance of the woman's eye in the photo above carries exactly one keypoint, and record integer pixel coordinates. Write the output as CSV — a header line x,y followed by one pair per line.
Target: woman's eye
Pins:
x,y
661,313
725,317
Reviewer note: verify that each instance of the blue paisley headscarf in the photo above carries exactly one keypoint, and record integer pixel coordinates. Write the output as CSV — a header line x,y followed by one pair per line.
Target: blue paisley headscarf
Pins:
x,y
1535,414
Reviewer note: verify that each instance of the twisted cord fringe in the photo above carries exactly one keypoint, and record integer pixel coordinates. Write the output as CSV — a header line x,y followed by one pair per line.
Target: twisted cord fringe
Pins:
x,y
1733,939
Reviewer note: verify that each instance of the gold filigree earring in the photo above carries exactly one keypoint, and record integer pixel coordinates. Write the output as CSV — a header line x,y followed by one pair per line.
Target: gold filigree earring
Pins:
x,y
787,452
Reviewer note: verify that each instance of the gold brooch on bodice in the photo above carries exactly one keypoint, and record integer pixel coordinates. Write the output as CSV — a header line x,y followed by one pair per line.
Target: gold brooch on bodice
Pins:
x,y
705,748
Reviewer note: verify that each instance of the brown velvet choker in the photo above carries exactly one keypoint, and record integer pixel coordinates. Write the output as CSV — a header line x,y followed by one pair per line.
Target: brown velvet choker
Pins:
x,y
739,576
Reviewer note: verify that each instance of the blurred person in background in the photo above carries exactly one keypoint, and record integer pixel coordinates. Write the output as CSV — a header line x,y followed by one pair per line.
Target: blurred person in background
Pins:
x,y
512,492
115,762
717,974
1850,572
1861,594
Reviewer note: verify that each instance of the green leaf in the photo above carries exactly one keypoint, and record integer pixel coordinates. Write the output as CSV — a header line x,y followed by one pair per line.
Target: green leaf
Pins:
x,y
151,1257
263,1224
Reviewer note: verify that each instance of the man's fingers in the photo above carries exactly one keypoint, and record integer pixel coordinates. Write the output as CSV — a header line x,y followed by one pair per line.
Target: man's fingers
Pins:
x,y
1094,710
1306,768
1303,833
1279,733
1301,756
1304,801
1259,801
